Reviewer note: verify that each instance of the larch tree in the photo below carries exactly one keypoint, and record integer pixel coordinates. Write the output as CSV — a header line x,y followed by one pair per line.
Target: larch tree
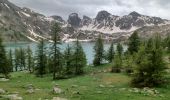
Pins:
x,y
99,52
56,55
79,58
4,65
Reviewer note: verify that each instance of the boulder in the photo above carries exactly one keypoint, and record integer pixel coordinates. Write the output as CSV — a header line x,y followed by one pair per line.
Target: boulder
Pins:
x,y
102,86
2,91
57,90
12,97
30,91
3,79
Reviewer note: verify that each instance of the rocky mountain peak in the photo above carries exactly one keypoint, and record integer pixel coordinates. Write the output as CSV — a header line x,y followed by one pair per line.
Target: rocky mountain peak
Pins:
x,y
58,18
135,14
102,15
74,20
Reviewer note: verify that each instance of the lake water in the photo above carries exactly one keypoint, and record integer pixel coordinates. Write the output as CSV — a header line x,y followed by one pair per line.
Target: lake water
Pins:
x,y
87,47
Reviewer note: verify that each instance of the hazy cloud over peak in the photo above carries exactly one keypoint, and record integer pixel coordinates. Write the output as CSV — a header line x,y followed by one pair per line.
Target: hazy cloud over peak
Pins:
x,y
159,8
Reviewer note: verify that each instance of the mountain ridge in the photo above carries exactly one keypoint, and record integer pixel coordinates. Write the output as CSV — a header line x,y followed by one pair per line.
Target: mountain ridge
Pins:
x,y
23,24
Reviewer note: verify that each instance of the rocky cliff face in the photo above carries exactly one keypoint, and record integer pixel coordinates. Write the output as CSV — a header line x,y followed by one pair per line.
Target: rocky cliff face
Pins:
x,y
23,24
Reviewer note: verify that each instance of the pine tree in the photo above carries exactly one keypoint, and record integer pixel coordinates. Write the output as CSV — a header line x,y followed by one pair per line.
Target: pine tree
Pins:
x,y
4,65
10,60
41,59
30,60
17,60
68,54
99,52
56,55
134,43
119,49
111,53
22,59
150,65
79,59
167,43
117,64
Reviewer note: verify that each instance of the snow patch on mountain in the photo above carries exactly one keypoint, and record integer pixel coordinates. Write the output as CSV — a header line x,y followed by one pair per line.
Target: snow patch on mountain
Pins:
x,y
26,14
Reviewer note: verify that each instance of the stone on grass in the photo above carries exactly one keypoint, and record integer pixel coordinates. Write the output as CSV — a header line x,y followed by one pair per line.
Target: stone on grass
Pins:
x,y
3,79
30,91
2,91
29,86
57,90
102,86
12,97
58,98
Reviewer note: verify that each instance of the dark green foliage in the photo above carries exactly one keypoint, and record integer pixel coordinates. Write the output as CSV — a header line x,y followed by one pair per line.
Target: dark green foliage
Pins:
x,y
99,52
167,43
134,43
79,58
56,55
10,60
117,64
111,53
4,65
150,65
119,49
22,59
68,57
17,59
30,60
41,59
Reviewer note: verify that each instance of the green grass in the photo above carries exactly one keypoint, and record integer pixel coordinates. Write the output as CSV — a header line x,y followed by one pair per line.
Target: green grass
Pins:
x,y
88,86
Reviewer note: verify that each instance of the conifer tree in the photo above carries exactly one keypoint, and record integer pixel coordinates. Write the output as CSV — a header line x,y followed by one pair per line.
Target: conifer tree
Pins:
x,y
99,52
134,43
117,64
56,55
119,49
30,60
10,60
4,65
79,58
17,59
150,65
22,59
41,59
68,54
111,53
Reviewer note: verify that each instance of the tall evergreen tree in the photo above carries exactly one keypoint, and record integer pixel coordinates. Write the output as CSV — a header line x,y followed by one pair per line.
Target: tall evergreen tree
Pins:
x,y
111,53
79,59
68,54
167,43
22,59
41,59
30,60
56,55
117,64
150,65
134,43
99,51
4,65
17,59
119,49
10,60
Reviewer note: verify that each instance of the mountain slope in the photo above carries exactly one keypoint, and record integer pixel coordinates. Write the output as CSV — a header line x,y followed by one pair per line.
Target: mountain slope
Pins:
x,y
23,24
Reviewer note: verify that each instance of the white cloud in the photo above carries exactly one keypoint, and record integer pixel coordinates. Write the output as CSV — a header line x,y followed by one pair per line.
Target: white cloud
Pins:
x,y
90,8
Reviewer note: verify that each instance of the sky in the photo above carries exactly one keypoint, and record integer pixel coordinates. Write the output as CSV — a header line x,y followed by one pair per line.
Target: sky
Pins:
x,y
159,8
